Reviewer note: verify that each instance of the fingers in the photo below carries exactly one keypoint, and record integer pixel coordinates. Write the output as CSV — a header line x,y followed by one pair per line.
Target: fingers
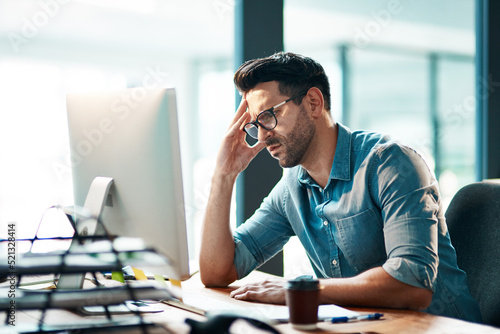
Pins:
x,y
267,291
236,128
240,111
243,106
258,146
239,291
240,118
248,295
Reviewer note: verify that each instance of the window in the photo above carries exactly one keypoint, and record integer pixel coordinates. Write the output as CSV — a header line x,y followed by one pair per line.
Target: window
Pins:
x,y
399,67
48,49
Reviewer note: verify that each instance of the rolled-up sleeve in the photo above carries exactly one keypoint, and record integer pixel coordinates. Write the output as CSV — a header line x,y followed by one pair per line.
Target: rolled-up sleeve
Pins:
x,y
262,235
244,260
407,194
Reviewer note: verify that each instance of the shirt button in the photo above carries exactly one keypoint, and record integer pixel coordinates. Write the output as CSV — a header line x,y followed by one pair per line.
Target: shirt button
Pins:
x,y
334,262
325,222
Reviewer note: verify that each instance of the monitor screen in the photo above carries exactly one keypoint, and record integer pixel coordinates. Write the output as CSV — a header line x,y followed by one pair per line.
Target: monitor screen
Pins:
x,y
132,137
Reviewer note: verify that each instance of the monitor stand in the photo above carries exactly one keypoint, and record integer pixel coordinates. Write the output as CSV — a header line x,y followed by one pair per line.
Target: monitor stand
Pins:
x,y
94,204
93,207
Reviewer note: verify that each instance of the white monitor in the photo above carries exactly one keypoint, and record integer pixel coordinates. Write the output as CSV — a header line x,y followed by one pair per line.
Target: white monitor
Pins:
x,y
132,137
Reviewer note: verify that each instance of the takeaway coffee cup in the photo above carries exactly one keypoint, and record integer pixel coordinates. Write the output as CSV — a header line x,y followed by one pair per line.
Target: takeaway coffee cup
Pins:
x,y
302,298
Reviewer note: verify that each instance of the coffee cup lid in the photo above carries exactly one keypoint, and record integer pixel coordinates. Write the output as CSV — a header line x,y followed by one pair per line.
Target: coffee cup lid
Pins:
x,y
303,283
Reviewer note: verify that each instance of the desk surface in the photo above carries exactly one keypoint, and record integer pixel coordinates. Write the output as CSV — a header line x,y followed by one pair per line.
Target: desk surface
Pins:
x,y
394,321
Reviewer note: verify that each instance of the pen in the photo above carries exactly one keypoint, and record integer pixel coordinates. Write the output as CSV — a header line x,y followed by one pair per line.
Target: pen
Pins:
x,y
373,316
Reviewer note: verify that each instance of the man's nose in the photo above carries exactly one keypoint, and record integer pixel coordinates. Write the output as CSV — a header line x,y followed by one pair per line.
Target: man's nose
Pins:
x,y
263,134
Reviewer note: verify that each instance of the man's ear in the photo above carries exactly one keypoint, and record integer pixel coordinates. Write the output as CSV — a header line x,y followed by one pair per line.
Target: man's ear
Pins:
x,y
315,100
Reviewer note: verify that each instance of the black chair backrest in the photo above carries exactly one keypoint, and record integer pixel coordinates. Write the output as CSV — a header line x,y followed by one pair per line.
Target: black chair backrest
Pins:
x,y
473,219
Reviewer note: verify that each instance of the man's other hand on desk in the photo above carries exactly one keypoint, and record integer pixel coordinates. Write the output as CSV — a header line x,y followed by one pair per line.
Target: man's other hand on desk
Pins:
x,y
269,291
372,288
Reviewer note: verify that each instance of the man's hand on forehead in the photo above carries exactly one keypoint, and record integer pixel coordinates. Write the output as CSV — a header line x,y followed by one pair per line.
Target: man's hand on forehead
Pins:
x,y
245,96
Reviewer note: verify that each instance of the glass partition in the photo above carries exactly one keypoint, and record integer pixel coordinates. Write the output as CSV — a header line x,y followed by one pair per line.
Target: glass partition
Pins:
x,y
50,48
405,68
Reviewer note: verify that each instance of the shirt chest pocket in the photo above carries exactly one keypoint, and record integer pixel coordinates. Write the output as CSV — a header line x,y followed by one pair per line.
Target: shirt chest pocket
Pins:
x,y
361,239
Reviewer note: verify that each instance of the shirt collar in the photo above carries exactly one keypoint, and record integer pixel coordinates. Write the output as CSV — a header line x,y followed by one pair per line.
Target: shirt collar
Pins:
x,y
341,162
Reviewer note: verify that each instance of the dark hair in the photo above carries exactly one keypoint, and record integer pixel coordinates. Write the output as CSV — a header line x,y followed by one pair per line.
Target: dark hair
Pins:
x,y
294,73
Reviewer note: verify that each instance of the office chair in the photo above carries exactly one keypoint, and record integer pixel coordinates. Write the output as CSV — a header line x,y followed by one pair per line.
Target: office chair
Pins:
x,y
473,219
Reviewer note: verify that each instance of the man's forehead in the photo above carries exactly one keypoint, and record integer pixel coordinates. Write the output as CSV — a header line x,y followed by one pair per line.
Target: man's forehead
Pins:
x,y
263,96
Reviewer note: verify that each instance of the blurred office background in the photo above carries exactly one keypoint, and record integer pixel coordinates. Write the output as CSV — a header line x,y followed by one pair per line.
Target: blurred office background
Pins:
x,y
402,67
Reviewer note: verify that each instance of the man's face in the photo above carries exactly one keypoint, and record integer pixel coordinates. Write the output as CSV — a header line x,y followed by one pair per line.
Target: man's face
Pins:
x,y
289,140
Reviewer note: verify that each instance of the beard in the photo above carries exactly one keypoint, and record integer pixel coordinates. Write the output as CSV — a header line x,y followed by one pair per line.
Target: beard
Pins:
x,y
296,144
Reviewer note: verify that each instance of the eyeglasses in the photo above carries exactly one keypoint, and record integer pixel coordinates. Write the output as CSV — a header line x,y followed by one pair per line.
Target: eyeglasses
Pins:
x,y
266,119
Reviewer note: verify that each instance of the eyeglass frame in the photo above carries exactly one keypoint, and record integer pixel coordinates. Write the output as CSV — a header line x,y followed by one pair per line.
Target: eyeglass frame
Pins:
x,y
256,123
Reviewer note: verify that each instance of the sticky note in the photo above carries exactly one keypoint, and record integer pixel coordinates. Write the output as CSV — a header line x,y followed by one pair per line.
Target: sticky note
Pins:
x,y
118,276
176,283
139,274
160,279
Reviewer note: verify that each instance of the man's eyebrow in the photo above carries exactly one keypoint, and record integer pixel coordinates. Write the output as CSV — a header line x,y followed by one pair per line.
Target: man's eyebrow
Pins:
x,y
251,114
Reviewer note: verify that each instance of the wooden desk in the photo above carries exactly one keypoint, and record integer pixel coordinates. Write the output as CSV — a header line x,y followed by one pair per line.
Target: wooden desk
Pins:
x,y
394,321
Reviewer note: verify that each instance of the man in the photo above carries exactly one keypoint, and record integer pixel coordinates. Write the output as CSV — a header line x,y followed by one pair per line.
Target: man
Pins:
x,y
366,209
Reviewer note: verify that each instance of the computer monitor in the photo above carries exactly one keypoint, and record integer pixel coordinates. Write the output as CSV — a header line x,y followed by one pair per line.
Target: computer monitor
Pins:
x,y
132,137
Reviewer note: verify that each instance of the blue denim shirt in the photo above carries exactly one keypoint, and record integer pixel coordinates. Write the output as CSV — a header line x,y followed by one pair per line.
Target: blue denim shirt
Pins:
x,y
381,207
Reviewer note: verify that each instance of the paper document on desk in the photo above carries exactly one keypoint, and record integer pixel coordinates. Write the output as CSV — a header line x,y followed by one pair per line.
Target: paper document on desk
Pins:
x,y
206,305
325,312
280,312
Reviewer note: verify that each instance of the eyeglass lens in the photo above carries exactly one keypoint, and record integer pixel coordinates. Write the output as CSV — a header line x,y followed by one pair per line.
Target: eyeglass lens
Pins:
x,y
266,119
252,130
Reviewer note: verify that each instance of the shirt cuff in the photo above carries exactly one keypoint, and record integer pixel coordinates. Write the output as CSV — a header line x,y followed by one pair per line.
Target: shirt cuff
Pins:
x,y
411,273
244,261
